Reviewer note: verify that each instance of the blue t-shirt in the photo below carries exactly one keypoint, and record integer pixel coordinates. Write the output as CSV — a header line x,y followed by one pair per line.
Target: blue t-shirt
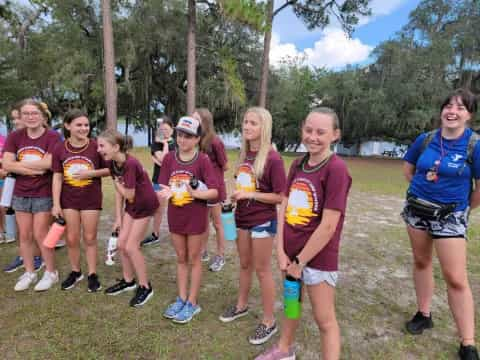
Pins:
x,y
454,173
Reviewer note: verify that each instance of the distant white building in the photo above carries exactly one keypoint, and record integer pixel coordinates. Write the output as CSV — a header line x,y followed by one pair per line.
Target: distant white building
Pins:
x,y
385,148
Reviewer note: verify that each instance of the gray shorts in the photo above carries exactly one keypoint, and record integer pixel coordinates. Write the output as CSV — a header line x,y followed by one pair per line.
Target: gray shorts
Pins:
x,y
32,205
454,225
311,276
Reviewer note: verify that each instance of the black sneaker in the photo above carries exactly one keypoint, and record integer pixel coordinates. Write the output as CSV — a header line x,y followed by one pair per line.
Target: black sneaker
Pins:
x,y
121,286
73,278
150,240
419,323
93,283
262,334
232,314
468,352
142,295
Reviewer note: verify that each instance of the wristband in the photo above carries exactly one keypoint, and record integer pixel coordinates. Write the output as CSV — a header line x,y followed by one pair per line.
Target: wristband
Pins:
x,y
297,261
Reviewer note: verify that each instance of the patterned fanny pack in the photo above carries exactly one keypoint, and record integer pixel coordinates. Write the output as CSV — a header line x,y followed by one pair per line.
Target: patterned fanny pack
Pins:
x,y
427,209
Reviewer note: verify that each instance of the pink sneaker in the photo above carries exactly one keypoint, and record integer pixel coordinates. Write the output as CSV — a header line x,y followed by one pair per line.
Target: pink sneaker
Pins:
x,y
274,353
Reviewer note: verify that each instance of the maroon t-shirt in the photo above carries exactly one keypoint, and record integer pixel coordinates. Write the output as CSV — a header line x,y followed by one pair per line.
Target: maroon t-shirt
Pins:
x,y
27,149
186,215
308,194
218,157
135,177
78,194
252,213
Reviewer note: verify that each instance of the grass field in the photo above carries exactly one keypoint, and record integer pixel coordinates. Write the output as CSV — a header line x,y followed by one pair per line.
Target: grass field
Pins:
x,y
374,298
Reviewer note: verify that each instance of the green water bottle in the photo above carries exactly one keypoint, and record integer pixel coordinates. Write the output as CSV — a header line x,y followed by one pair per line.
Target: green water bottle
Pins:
x,y
292,297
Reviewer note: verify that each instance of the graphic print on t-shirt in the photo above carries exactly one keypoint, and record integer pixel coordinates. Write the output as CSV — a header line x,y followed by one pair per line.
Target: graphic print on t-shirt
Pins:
x,y
302,202
30,153
178,184
245,179
73,165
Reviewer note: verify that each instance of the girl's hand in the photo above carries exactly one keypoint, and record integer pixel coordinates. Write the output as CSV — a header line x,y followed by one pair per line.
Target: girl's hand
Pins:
x,y
193,193
81,175
57,211
117,225
283,260
294,270
242,195
165,192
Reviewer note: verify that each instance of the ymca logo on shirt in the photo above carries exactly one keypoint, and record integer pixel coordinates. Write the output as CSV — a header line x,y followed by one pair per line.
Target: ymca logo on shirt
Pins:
x,y
178,184
302,202
74,165
456,157
30,153
454,163
245,178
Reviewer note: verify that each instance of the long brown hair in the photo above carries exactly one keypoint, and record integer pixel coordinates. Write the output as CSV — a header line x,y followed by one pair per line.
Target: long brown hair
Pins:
x,y
70,116
208,129
117,138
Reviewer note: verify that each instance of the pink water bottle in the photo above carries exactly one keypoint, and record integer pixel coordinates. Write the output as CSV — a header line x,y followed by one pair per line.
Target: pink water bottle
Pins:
x,y
55,233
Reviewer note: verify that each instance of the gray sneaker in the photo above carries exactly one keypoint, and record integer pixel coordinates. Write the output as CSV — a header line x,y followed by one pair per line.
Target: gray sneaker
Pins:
x,y
217,263
232,314
205,256
262,334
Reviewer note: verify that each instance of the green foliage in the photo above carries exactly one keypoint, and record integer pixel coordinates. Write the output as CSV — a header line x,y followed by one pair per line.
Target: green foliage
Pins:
x,y
316,14
247,12
396,97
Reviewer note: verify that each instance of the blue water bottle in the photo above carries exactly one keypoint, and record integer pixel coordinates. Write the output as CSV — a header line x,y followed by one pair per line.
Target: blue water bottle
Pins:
x,y
228,222
292,297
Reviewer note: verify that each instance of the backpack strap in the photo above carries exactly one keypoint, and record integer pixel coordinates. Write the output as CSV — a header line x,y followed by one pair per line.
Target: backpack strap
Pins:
x,y
428,139
472,141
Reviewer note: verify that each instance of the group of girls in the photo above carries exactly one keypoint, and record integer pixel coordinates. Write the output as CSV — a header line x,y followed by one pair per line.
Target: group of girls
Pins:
x,y
305,231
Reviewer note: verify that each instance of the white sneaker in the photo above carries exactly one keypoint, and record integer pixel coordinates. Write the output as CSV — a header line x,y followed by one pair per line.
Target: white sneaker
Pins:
x,y
9,239
25,281
60,244
47,281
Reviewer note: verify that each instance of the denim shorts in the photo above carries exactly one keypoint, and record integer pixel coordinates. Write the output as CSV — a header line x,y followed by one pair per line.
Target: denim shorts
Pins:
x,y
311,276
264,230
454,225
32,205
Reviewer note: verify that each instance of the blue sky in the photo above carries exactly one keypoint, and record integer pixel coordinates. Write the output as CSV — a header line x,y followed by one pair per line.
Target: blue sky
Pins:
x,y
330,47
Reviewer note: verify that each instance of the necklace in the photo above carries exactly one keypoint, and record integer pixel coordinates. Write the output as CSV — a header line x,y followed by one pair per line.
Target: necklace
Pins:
x,y
189,162
69,147
316,167
432,173
117,170
250,158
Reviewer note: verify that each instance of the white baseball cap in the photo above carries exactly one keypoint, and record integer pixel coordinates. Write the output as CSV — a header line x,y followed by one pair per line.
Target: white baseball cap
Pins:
x,y
189,125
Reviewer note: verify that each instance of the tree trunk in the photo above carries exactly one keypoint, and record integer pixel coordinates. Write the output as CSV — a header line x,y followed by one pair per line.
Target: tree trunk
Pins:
x,y
109,66
262,92
191,58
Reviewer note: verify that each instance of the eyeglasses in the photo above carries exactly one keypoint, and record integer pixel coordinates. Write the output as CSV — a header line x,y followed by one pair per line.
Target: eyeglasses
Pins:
x,y
33,113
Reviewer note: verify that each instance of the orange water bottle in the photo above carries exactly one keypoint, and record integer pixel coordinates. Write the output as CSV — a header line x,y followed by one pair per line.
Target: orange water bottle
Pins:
x,y
55,233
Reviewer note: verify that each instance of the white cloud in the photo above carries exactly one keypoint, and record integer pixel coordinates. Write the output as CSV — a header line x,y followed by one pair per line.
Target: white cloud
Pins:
x,y
381,8
333,50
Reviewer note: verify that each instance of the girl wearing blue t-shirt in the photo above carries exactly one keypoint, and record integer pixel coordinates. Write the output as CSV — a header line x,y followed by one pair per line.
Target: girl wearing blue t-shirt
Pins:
x,y
440,166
